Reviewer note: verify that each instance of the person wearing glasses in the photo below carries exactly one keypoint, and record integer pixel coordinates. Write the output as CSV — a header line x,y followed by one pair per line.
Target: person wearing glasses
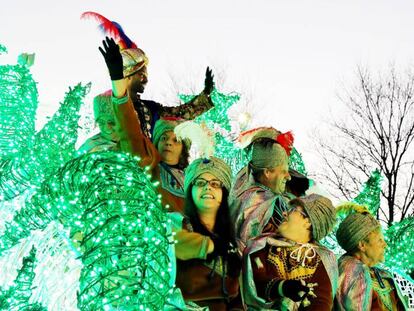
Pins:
x,y
209,279
362,285
290,270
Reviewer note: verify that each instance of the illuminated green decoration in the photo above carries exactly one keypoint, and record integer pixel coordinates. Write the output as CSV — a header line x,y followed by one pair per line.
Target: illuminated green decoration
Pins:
x,y
18,104
400,237
116,219
217,120
55,142
34,157
16,297
26,157
296,162
370,195
3,49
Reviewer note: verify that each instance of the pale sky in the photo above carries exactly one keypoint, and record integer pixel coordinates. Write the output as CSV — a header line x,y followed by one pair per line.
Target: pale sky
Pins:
x,y
287,59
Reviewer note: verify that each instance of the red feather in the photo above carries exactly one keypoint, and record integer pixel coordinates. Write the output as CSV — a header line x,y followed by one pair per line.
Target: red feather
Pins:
x,y
247,137
286,141
111,28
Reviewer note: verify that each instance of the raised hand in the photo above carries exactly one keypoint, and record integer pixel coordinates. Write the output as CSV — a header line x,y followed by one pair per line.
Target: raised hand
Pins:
x,y
209,81
113,58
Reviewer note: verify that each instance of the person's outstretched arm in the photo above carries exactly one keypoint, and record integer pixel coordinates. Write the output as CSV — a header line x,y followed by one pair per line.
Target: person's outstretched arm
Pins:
x,y
132,139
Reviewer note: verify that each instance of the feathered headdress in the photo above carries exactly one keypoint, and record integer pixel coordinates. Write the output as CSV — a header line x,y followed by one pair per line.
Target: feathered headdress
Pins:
x,y
283,139
133,58
202,139
112,29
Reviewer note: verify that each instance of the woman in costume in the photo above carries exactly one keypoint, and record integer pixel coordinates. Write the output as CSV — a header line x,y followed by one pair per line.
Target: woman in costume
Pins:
x,y
212,281
362,286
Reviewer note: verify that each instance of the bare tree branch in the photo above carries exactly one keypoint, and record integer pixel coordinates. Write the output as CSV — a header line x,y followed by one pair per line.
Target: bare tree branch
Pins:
x,y
377,132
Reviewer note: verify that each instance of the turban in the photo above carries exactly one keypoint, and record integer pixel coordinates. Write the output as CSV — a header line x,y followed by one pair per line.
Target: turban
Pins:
x,y
214,166
354,228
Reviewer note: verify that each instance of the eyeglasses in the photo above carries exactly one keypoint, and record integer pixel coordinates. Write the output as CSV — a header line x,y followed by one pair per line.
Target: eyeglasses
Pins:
x,y
214,183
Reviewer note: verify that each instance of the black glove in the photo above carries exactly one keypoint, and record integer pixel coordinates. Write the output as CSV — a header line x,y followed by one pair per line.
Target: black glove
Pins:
x,y
208,82
220,248
292,289
113,58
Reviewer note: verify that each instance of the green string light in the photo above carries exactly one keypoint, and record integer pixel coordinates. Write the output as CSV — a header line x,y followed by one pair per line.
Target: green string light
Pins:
x,y
17,296
3,49
26,161
296,162
115,216
18,104
400,237
370,195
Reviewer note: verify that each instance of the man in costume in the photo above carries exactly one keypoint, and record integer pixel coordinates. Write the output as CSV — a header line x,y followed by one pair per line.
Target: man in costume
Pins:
x,y
133,140
135,73
290,270
362,286
256,201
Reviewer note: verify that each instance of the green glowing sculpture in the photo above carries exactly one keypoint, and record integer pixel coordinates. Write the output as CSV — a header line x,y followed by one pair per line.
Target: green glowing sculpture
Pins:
x,y
3,49
17,296
115,218
400,237
26,157
370,194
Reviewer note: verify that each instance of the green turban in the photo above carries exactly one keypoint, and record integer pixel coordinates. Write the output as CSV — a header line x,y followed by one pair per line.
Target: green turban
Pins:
x,y
354,228
166,125
212,165
268,155
321,214
103,107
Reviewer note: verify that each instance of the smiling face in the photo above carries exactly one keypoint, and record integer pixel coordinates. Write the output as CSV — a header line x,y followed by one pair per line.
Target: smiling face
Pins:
x,y
296,226
170,148
138,81
207,193
276,178
107,126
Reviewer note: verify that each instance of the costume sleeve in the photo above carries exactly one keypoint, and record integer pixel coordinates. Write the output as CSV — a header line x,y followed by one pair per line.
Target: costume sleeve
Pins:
x,y
132,139
191,245
255,212
355,291
323,291
261,275
198,105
